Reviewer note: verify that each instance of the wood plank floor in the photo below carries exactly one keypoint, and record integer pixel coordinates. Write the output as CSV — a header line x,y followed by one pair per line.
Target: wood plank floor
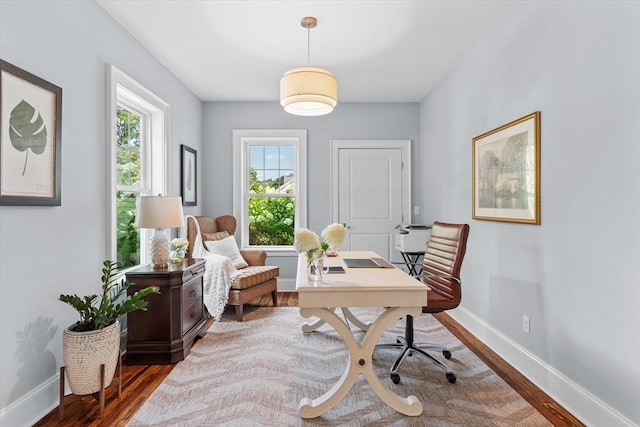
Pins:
x,y
139,381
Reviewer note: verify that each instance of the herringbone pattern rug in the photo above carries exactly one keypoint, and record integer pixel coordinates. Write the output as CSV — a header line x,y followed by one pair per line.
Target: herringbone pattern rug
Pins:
x,y
254,373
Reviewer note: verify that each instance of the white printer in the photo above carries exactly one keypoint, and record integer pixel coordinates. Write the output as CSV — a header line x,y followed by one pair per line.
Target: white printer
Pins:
x,y
412,237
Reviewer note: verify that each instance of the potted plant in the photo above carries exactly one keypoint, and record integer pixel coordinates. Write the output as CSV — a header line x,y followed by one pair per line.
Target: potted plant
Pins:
x,y
94,340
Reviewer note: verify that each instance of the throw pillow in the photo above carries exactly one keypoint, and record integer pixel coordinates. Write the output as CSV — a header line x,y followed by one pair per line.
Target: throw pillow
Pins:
x,y
227,247
214,236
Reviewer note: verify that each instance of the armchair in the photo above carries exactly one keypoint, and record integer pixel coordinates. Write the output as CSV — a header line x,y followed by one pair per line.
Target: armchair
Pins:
x,y
441,272
255,280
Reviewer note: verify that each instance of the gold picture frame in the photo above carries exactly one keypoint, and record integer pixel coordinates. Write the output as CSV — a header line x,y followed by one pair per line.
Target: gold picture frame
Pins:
x,y
506,172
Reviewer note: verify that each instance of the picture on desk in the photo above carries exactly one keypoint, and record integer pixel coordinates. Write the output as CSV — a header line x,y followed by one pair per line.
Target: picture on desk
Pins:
x,y
329,270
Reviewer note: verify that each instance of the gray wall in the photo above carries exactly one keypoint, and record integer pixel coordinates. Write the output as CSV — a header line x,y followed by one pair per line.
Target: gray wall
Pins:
x,y
347,121
46,251
577,274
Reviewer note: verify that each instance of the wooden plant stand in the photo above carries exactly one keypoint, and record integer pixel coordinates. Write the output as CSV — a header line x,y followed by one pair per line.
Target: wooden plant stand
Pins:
x,y
99,395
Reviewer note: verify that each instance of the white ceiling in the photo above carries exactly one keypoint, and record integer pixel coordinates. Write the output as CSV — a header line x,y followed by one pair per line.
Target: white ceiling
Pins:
x,y
380,51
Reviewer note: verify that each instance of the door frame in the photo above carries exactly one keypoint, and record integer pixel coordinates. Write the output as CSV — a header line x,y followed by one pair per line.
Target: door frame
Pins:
x,y
403,144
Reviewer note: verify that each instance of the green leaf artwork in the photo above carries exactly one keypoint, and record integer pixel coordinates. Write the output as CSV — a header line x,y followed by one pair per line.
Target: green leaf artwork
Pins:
x,y
27,130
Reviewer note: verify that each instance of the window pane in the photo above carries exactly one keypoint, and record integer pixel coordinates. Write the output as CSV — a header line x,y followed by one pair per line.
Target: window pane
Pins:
x,y
287,182
128,240
286,156
128,147
256,156
256,178
272,176
271,221
271,157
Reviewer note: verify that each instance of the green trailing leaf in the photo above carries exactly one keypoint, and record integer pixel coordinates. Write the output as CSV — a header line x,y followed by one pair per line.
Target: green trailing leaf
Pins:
x,y
27,130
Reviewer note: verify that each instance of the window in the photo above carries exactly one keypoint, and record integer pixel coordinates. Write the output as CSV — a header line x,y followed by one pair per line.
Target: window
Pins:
x,y
270,187
137,163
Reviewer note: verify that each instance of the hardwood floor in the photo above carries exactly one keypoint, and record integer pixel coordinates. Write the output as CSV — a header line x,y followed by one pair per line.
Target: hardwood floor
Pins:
x,y
139,381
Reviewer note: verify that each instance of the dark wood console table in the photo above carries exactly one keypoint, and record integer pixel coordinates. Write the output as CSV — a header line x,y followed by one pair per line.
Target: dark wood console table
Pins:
x,y
174,319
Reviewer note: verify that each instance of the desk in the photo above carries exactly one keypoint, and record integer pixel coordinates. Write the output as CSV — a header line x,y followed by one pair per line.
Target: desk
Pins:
x,y
359,287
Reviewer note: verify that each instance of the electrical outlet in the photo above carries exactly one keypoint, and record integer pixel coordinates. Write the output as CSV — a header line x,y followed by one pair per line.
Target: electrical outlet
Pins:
x,y
526,327
416,210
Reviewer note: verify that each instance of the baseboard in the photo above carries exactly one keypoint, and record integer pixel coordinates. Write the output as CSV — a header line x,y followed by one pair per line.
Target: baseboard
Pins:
x,y
28,410
579,402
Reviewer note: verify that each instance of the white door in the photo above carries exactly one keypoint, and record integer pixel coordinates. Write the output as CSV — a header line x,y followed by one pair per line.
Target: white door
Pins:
x,y
371,192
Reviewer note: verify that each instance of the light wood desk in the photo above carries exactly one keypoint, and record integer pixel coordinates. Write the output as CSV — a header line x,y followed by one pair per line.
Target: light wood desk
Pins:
x,y
358,287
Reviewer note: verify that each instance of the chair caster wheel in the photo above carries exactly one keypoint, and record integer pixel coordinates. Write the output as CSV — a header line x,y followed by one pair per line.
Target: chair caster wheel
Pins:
x,y
451,377
446,354
396,378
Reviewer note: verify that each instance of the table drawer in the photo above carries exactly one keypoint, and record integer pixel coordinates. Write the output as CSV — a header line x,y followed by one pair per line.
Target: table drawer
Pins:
x,y
191,315
192,292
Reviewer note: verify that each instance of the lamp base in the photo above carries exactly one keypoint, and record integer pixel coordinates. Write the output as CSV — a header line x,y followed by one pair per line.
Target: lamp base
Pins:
x,y
159,249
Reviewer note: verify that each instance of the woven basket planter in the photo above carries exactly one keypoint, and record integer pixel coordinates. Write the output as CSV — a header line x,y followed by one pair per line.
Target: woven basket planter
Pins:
x,y
84,352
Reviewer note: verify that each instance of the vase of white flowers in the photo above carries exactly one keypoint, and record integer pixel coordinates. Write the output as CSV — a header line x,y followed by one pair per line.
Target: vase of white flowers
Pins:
x,y
180,246
308,242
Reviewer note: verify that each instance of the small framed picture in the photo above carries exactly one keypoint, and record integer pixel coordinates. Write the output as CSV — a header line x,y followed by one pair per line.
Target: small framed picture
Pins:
x,y
30,145
189,177
506,172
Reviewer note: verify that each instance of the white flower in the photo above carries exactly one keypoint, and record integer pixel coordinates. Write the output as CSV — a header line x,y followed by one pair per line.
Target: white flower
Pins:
x,y
306,240
288,221
180,243
334,235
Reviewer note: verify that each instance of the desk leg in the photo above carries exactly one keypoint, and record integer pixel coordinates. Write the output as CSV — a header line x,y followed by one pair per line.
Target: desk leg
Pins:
x,y
360,362
312,327
353,319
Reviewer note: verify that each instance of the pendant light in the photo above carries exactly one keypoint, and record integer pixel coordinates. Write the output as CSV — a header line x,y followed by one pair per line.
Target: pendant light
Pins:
x,y
308,91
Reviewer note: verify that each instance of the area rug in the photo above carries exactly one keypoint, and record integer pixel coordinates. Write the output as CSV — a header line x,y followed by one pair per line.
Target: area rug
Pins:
x,y
254,373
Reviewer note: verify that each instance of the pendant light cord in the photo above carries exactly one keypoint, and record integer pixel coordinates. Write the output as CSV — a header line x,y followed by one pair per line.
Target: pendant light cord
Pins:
x,y
308,45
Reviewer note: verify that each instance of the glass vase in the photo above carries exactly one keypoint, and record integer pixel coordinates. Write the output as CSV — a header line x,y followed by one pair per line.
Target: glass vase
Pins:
x,y
316,269
178,255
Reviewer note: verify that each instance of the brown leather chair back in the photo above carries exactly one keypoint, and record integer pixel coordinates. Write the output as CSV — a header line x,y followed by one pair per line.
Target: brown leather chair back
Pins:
x,y
441,265
208,224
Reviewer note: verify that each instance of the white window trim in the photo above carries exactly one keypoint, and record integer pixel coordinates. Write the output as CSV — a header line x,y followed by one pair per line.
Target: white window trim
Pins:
x,y
156,111
241,139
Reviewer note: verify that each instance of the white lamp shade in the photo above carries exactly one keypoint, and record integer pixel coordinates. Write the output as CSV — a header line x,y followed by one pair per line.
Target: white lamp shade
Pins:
x,y
159,212
308,91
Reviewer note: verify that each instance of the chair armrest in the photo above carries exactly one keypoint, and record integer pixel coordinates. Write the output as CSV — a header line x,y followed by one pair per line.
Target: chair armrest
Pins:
x,y
254,257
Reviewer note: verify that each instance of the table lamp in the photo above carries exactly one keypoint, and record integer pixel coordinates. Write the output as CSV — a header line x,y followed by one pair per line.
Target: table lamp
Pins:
x,y
159,212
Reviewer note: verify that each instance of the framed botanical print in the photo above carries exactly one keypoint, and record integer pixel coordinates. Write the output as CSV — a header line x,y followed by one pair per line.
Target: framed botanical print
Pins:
x,y
506,172
189,177
30,145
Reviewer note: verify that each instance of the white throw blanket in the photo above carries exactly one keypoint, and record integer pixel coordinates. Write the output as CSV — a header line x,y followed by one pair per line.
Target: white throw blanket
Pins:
x,y
219,274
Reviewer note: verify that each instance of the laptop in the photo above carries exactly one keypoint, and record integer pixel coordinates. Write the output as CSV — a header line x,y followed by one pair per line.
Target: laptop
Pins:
x,y
367,263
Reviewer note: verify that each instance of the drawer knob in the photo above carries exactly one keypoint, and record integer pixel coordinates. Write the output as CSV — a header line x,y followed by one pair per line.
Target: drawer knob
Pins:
x,y
194,293
194,314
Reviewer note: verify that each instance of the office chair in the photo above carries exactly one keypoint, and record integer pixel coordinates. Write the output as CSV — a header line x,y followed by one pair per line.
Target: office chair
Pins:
x,y
441,272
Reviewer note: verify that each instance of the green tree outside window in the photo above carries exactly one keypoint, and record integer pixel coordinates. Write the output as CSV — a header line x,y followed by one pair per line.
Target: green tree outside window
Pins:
x,y
128,174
